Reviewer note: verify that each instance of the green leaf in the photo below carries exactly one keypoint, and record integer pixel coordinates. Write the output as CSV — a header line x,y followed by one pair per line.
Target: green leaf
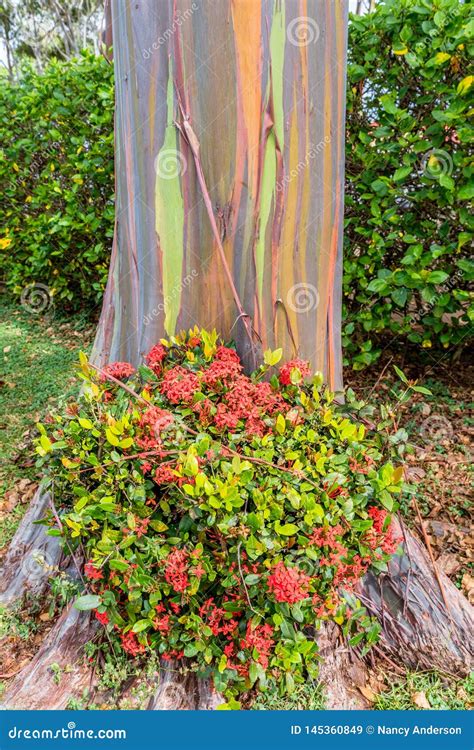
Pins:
x,y
280,424
111,438
401,173
400,374
141,625
87,602
288,529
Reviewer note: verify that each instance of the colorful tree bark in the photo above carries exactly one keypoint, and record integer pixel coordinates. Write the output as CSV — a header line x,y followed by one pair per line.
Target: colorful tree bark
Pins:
x,y
229,187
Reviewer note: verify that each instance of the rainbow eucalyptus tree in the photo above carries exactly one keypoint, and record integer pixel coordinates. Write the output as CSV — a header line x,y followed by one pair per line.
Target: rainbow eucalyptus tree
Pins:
x,y
229,189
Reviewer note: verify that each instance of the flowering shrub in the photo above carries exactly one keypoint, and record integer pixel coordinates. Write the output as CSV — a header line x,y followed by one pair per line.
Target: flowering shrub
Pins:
x,y
222,516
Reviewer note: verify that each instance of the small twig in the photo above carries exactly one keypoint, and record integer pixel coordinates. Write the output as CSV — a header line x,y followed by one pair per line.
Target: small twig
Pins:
x,y
410,569
380,377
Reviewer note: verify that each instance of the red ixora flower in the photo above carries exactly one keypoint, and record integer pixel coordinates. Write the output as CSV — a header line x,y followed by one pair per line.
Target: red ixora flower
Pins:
x,y
92,572
179,385
377,537
130,644
118,370
155,357
102,617
164,474
288,584
176,570
260,639
294,364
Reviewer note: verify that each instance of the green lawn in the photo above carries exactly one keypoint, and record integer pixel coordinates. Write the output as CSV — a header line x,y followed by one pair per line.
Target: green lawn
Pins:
x,y
38,354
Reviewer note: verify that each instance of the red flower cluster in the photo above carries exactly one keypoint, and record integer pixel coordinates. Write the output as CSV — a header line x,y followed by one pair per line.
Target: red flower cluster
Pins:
x,y
130,644
92,572
152,421
164,474
162,624
260,639
377,537
225,418
294,364
102,617
179,385
215,616
118,370
288,584
155,357
176,570
221,372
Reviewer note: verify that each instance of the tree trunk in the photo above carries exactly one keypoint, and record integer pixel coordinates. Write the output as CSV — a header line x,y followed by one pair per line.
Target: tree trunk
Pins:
x,y
229,164
254,95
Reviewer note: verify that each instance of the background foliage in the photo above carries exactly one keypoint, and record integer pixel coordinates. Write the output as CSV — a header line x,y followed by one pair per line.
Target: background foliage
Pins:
x,y
409,184
56,178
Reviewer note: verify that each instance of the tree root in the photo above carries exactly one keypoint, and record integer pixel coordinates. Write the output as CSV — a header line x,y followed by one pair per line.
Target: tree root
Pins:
x,y
418,630
32,556
58,671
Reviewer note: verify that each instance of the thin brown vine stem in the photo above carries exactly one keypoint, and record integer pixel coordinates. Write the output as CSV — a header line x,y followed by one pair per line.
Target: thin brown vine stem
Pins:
x,y
191,139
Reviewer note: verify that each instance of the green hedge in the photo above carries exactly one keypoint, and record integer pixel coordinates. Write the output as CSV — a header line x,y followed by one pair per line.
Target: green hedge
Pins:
x,y
409,184
56,179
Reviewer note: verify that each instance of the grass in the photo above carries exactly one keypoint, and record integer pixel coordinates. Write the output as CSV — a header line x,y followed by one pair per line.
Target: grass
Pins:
x,y
38,355
308,697
439,692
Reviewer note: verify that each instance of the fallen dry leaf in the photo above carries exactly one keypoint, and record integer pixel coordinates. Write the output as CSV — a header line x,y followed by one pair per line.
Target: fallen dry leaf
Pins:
x,y
467,584
368,693
420,700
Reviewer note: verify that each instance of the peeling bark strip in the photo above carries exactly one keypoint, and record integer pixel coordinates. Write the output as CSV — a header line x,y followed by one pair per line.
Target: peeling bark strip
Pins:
x,y
261,84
